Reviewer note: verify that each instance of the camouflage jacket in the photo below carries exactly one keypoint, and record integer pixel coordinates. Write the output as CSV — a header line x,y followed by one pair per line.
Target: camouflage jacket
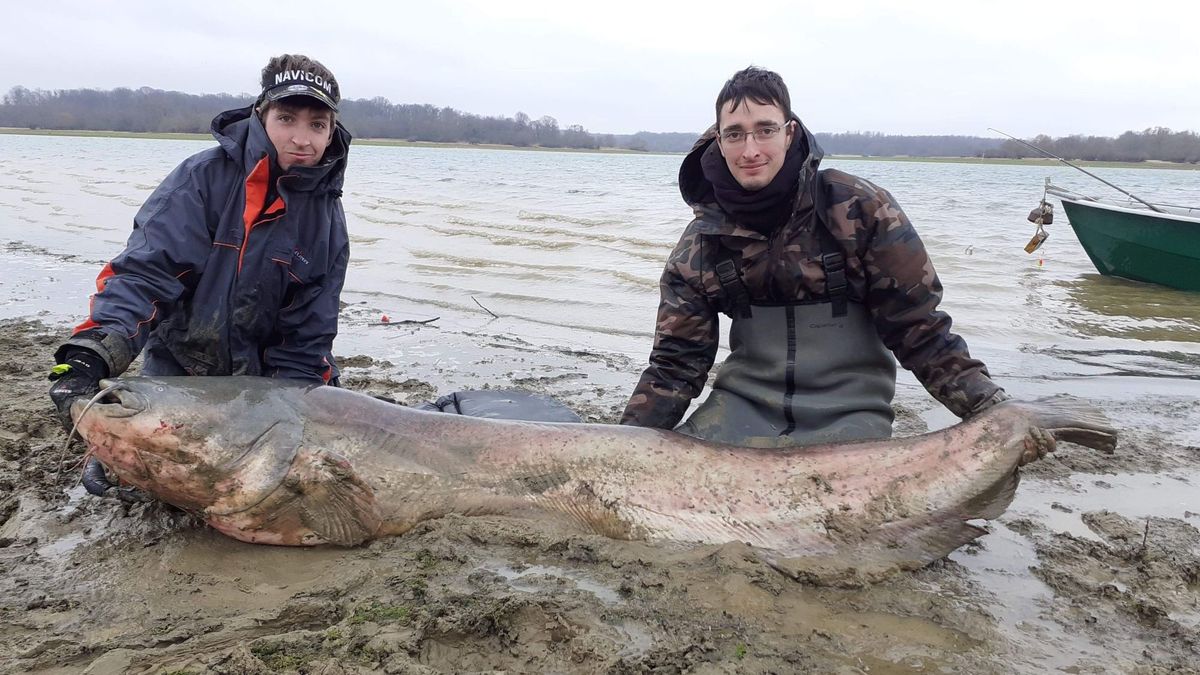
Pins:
x,y
887,269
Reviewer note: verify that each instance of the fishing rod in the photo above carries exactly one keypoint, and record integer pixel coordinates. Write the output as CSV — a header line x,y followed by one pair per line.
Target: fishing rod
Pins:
x,y
1125,192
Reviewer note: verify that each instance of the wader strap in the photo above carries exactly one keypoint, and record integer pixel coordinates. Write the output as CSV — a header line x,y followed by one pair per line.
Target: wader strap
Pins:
x,y
731,283
834,263
790,388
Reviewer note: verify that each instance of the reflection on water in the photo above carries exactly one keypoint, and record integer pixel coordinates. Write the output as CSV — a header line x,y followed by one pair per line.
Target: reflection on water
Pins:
x,y
1114,307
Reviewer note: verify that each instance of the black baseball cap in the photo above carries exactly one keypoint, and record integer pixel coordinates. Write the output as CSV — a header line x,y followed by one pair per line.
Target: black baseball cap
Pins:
x,y
292,82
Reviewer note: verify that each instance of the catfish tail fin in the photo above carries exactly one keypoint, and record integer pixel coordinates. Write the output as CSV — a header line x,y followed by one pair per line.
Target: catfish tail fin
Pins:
x,y
1074,420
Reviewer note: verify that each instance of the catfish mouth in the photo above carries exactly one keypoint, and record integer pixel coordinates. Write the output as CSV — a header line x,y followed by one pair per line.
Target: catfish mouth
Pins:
x,y
115,399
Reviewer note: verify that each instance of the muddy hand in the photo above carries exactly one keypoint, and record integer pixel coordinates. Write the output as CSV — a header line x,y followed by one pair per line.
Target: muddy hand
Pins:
x,y
1037,443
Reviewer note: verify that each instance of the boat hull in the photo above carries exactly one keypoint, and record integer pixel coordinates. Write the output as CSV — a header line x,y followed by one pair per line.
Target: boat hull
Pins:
x,y
1139,246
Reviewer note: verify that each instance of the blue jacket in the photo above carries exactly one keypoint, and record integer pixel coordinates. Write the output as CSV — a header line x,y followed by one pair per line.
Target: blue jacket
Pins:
x,y
214,281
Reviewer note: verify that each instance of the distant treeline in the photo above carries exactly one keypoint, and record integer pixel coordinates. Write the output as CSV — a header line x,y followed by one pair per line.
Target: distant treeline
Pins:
x,y
380,118
1157,143
145,109
158,111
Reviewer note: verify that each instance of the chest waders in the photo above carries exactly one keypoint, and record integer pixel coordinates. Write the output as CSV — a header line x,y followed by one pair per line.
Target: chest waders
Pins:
x,y
799,374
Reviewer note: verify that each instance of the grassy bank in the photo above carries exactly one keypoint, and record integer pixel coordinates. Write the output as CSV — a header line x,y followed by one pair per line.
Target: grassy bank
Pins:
x,y
104,134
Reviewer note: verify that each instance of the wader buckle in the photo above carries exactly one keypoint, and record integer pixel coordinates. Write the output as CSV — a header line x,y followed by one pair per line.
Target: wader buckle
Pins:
x,y
835,281
739,299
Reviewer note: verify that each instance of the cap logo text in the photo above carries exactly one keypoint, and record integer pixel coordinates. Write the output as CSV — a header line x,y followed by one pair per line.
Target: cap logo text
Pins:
x,y
306,76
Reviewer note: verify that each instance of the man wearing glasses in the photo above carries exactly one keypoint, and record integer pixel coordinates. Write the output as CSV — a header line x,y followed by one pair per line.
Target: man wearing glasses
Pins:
x,y
824,279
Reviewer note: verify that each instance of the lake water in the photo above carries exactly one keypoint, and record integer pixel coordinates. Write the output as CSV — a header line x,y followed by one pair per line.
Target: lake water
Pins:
x,y
567,249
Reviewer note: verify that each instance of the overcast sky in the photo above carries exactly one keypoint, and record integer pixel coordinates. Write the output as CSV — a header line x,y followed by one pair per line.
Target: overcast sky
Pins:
x,y
914,67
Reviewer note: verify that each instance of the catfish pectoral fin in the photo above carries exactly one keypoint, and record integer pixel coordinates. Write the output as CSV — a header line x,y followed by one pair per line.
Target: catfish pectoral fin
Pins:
x,y
321,501
332,500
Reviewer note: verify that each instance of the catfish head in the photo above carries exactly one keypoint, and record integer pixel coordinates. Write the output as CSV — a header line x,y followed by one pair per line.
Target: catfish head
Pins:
x,y
204,444
233,451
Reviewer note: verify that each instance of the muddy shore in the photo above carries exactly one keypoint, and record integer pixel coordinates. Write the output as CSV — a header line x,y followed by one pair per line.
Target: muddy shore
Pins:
x,y
1095,568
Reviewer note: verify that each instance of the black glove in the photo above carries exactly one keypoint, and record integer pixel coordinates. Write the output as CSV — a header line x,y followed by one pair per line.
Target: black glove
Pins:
x,y
96,482
77,377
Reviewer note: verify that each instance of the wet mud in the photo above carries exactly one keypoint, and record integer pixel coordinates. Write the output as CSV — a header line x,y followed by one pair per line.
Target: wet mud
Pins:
x,y
1094,569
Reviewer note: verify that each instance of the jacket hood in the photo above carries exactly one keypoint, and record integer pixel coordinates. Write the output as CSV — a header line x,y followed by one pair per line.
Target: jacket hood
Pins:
x,y
241,134
697,190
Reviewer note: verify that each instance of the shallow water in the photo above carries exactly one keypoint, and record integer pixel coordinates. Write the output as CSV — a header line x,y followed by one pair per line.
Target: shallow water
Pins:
x,y
539,574
1135,495
567,248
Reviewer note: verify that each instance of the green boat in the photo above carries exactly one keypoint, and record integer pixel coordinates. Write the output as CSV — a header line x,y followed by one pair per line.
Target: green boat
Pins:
x,y
1161,246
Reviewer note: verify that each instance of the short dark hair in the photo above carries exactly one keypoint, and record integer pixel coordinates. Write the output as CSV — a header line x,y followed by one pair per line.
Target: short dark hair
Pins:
x,y
757,84
296,63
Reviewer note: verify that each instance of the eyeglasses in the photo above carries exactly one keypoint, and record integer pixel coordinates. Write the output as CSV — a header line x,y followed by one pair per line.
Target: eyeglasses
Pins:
x,y
761,135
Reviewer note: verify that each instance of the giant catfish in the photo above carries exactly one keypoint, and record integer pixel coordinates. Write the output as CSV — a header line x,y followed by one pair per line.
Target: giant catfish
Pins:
x,y
270,462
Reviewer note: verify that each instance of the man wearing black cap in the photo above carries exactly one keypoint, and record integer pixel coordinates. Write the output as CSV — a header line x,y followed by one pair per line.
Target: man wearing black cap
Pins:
x,y
236,261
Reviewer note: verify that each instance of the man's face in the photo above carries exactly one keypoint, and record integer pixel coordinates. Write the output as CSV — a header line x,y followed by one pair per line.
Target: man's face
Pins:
x,y
299,134
753,162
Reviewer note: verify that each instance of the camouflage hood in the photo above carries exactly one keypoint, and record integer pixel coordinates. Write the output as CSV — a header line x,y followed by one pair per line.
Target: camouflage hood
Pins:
x,y
697,190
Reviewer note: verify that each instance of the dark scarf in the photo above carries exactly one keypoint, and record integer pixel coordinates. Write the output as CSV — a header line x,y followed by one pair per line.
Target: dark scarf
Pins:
x,y
760,210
